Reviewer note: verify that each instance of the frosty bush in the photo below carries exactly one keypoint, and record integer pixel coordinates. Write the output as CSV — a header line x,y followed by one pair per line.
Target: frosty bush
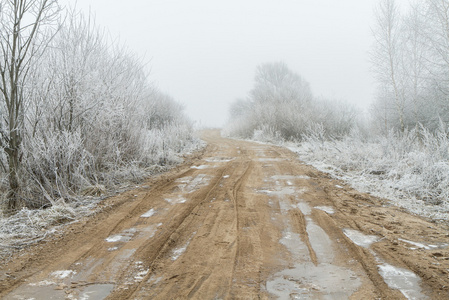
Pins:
x,y
409,168
91,120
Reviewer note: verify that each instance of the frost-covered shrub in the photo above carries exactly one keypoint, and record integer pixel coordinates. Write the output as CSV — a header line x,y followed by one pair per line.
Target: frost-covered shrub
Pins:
x,y
93,120
411,169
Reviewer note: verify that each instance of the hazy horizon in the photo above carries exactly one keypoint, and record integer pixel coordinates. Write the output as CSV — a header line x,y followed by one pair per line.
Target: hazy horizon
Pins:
x,y
204,53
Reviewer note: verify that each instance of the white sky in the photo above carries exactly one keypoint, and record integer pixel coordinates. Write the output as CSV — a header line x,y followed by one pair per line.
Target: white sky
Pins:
x,y
204,52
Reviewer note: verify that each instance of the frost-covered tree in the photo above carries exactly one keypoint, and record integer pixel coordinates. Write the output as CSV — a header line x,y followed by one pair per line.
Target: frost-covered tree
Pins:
x,y
281,105
26,26
387,58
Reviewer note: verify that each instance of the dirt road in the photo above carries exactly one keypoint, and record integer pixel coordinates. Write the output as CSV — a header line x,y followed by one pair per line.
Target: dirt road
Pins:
x,y
243,221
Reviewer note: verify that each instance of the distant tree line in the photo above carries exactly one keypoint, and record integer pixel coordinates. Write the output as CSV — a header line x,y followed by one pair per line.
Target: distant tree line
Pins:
x,y
76,110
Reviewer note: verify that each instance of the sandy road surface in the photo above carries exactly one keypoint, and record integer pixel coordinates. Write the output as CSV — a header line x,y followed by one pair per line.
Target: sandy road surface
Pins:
x,y
243,221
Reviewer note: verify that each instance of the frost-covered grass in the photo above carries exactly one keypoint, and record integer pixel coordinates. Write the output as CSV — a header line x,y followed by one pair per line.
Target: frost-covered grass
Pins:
x,y
63,168
29,226
410,169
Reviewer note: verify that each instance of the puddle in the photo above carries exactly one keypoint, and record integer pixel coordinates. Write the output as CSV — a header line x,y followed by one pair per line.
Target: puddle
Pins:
x,y
176,200
407,282
404,280
189,184
36,293
307,281
202,167
269,159
282,191
62,289
359,238
424,246
149,213
124,236
96,292
219,159
320,241
327,209
292,241
62,274
303,279
304,208
288,177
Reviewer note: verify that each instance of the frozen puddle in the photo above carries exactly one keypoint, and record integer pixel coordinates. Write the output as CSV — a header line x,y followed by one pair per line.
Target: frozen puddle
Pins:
x,y
327,209
96,292
176,200
60,289
202,167
125,236
303,279
407,282
424,246
404,280
288,177
63,274
307,281
149,213
282,191
359,238
219,159
269,159
190,184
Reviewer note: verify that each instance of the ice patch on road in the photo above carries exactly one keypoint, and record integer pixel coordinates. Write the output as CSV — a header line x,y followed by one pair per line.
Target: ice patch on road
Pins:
x,y
202,167
282,191
96,291
176,200
307,281
327,209
424,246
404,280
359,238
149,213
124,236
304,208
289,177
179,251
62,274
219,159
189,184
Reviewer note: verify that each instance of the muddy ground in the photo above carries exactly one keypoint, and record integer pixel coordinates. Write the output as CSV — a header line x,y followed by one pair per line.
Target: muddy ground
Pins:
x,y
243,221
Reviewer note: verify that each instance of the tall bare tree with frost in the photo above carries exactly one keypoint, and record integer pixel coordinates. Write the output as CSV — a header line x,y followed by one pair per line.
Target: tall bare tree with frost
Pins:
x,y
387,56
25,30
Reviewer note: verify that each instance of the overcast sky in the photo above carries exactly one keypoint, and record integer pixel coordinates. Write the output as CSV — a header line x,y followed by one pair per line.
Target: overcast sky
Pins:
x,y
204,52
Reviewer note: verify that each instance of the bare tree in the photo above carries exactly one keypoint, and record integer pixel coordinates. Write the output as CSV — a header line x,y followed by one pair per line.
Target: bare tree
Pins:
x,y
387,54
25,27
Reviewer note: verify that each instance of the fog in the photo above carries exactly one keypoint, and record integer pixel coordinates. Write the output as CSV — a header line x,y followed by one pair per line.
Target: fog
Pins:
x,y
204,53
